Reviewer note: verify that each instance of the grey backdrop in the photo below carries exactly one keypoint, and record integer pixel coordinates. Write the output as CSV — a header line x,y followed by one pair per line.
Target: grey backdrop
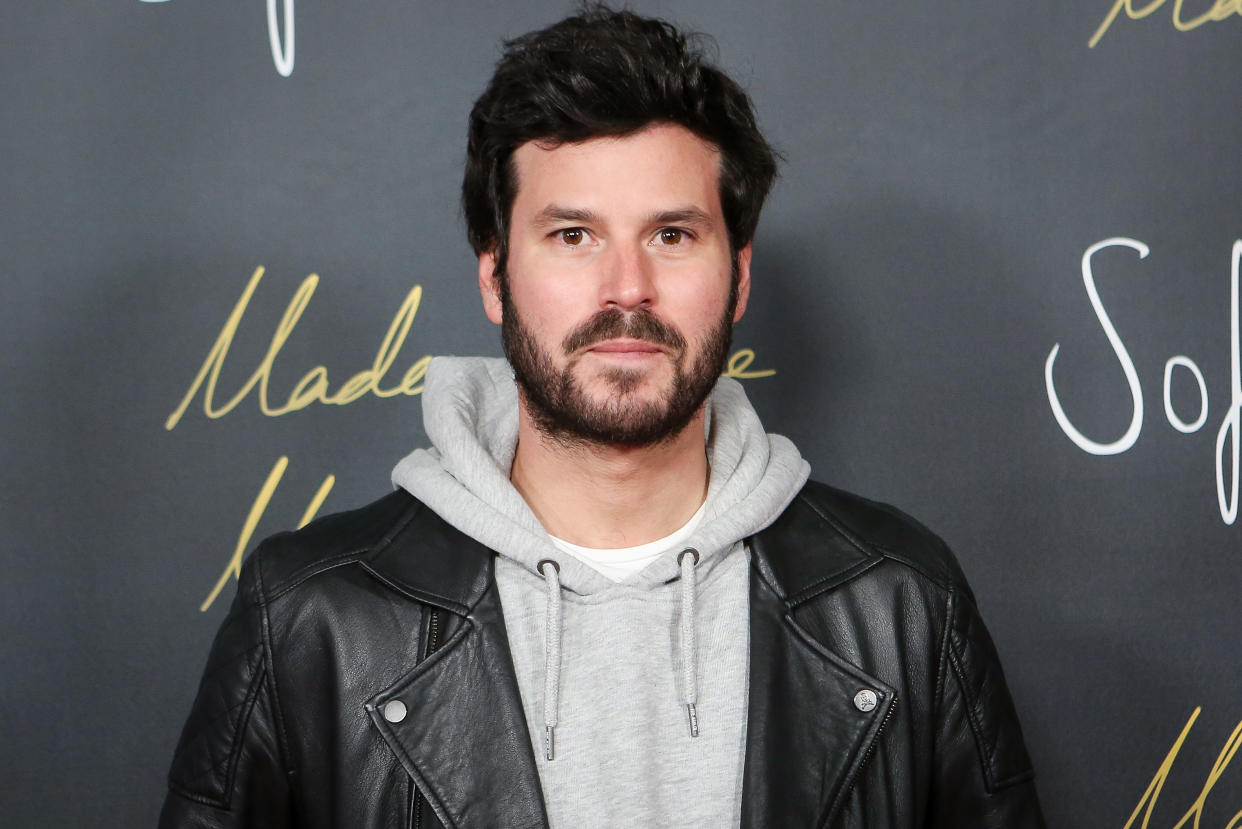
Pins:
x,y
947,165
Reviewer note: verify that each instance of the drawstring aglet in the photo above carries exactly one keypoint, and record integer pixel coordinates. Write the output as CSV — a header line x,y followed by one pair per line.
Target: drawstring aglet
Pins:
x,y
694,719
547,740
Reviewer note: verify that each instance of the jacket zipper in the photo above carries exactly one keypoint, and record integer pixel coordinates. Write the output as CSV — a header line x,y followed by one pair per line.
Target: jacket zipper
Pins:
x,y
433,642
862,764
433,633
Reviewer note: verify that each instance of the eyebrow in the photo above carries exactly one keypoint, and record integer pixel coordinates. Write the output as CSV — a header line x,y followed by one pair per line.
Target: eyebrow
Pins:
x,y
555,214
688,215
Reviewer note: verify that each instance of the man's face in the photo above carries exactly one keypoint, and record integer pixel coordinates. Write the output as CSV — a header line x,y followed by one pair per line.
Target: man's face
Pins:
x,y
620,293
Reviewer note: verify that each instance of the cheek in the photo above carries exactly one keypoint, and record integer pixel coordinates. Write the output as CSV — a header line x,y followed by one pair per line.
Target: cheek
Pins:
x,y
548,306
696,305
545,300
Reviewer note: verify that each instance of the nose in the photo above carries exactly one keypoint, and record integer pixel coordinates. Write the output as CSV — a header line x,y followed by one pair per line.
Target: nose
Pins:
x,y
628,281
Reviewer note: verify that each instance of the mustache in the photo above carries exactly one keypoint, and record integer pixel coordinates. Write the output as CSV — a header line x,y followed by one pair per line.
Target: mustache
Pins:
x,y
613,323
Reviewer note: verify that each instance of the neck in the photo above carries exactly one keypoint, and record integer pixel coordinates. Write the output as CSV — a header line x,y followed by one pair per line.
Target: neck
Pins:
x,y
611,496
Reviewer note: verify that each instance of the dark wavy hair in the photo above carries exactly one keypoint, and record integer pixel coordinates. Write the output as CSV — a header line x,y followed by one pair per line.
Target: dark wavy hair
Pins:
x,y
608,73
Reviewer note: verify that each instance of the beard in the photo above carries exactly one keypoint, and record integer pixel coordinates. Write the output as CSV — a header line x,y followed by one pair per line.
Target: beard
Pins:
x,y
563,411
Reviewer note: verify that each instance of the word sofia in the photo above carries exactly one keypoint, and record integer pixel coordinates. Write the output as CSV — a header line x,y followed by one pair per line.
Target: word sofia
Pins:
x,y
1229,426
282,54
1219,10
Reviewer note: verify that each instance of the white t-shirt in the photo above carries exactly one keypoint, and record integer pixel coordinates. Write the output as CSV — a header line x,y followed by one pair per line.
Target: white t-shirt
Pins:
x,y
619,563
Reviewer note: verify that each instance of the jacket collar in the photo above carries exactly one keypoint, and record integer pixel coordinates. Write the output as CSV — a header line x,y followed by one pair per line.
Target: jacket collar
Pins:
x,y
808,550
465,741
427,559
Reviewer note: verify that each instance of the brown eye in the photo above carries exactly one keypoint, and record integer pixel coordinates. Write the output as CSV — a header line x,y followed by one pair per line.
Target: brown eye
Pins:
x,y
672,236
572,236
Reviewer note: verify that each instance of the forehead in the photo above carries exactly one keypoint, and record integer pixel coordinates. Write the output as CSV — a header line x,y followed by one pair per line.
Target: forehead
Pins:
x,y
658,167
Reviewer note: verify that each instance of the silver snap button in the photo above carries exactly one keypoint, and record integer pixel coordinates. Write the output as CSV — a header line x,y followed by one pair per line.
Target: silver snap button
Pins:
x,y
394,710
865,700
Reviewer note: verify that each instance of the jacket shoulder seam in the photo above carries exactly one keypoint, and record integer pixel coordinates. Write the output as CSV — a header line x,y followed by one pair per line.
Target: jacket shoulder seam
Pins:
x,y
270,676
309,572
224,800
898,557
942,660
976,728
987,759
334,560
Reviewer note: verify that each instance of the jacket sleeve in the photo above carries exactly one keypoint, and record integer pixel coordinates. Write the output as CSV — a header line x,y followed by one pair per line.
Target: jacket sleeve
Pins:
x,y
983,777
227,770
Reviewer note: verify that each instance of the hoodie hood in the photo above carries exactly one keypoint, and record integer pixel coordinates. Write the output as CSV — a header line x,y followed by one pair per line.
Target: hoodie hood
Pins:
x,y
628,649
470,413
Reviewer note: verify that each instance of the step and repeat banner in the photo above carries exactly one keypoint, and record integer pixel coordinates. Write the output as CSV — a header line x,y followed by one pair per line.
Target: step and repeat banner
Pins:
x,y
997,285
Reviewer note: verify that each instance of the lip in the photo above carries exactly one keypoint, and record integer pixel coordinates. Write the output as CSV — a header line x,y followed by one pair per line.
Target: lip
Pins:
x,y
624,346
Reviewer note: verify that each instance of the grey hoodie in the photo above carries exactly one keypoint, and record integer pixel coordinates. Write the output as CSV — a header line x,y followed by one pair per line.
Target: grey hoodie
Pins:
x,y
634,692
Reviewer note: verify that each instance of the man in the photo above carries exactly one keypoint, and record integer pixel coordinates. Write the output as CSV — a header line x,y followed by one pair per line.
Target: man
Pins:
x,y
606,597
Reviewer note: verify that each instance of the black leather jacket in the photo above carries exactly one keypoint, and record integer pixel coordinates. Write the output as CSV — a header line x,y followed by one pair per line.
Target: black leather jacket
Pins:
x,y
391,603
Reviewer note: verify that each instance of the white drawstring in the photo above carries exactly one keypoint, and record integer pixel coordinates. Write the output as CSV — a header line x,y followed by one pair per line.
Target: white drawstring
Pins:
x,y
687,559
552,653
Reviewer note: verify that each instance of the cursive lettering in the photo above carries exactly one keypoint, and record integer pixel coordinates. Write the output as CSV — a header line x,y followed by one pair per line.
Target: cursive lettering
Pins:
x,y
1220,10
1195,812
233,569
1229,426
1123,357
282,56
1231,423
739,365
282,53
313,387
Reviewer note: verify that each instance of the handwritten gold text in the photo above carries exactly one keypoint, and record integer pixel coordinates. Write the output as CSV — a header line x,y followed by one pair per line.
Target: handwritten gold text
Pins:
x,y
314,384
1220,10
233,569
1195,811
314,387
739,365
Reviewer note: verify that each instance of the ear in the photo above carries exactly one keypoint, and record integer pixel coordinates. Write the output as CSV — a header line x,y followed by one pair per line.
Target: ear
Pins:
x,y
743,281
489,288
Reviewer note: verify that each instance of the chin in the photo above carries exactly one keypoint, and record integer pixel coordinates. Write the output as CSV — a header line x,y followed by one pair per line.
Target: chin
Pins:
x,y
632,384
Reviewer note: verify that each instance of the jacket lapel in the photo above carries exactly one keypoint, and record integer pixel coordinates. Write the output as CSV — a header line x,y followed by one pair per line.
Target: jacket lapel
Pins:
x,y
463,736
455,722
806,736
